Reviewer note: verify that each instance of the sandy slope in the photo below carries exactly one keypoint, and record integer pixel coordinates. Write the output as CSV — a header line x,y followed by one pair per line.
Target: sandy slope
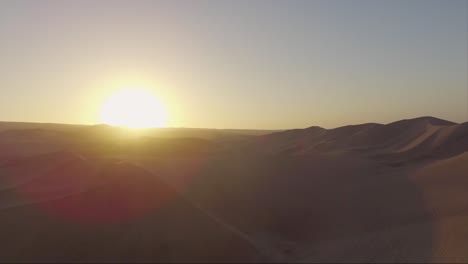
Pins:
x,y
75,209
291,204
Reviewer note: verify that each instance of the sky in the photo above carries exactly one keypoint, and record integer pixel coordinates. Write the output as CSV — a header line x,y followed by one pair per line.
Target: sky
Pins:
x,y
237,64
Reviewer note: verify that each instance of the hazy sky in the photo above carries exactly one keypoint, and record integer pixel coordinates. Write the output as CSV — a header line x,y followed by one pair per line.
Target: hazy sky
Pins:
x,y
237,64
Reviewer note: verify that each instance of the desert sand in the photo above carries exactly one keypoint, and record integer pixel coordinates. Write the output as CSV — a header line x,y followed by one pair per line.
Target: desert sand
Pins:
x,y
372,192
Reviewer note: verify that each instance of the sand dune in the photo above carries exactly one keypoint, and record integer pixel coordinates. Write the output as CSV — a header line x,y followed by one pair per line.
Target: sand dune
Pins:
x,y
310,200
335,203
362,193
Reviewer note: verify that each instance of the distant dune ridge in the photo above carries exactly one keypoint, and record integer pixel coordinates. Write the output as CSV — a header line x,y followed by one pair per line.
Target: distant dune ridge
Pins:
x,y
361,193
419,136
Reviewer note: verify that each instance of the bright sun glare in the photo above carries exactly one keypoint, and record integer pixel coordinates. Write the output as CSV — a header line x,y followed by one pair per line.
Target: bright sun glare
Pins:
x,y
134,108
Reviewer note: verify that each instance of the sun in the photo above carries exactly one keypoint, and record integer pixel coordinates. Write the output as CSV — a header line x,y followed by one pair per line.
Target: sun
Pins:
x,y
134,108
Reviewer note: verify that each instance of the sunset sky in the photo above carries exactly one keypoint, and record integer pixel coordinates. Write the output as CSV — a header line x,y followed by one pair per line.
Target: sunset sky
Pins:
x,y
237,64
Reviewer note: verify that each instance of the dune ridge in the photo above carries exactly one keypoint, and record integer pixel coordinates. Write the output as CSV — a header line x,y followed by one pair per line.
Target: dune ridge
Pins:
x,y
414,137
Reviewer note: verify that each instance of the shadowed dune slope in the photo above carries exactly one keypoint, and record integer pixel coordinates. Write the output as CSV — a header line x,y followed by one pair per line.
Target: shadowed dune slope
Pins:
x,y
292,204
64,207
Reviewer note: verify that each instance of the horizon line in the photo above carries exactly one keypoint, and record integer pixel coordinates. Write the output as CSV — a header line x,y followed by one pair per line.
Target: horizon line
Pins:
x,y
208,128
